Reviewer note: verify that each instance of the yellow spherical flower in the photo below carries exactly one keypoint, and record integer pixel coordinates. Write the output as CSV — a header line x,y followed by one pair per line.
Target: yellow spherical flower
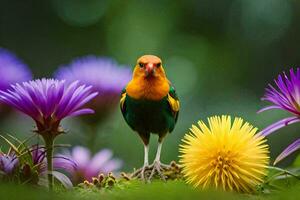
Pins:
x,y
224,155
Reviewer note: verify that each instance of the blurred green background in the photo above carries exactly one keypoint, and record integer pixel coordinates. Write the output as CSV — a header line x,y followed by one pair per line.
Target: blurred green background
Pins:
x,y
220,55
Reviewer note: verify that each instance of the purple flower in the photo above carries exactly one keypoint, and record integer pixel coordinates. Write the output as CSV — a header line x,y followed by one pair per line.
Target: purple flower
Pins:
x,y
12,69
48,101
59,162
8,163
104,74
286,96
91,166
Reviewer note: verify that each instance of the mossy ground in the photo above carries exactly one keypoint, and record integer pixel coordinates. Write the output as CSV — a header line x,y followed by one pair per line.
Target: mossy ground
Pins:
x,y
137,190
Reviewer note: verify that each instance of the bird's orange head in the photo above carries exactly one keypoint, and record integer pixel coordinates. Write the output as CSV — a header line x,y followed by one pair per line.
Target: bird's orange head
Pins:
x,y
149,79
149,66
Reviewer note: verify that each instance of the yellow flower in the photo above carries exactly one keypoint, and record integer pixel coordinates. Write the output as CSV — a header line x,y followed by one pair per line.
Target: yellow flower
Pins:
x,y
224,155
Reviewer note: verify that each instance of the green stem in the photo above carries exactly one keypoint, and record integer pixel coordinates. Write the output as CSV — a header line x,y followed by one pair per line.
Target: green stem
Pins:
x,y
49,142
285,172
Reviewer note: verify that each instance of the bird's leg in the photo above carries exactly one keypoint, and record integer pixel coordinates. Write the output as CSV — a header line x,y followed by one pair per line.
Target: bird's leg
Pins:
x,y
146,162
157,165
141,172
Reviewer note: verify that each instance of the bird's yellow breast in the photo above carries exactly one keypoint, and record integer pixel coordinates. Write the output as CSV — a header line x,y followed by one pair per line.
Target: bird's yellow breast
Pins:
x,y
149,89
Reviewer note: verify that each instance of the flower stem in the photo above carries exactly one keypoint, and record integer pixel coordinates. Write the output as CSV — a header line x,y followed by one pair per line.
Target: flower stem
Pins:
x,y
49,142
285,172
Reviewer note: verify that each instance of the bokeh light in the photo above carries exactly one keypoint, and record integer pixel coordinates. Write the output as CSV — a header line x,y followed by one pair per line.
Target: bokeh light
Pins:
x,y
80,13
261,21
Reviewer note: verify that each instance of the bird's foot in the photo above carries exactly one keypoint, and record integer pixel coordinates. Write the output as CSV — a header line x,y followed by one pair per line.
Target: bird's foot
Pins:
x,y
140,173
159,168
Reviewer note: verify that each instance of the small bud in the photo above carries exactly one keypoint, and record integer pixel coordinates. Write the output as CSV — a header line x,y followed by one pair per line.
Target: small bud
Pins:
x,y
111,175
124,175
173,164
101,178
86,183
26,171
110,182
95,180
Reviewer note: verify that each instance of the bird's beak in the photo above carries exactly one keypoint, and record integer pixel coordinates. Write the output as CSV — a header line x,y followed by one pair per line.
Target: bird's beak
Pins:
x,y
149,69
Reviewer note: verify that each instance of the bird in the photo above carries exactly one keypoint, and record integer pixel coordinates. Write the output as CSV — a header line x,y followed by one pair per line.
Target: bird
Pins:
x,y
150,105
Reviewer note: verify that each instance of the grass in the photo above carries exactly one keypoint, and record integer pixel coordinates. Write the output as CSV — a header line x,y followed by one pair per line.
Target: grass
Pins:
x,y
174,190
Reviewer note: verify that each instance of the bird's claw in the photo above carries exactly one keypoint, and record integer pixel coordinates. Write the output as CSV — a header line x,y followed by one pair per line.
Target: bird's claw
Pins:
x,y
147,172
158,167
140,173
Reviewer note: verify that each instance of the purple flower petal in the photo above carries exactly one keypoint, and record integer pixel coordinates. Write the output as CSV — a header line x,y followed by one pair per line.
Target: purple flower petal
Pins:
x,y
81,156
8,163
104,74
38,154
61,162
88,167
100,159
289,150
80,97
13,70
84,101
268,108
83,111
277,125
112,165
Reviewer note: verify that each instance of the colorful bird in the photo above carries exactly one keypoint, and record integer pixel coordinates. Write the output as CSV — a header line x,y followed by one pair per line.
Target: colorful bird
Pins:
x,y
149,104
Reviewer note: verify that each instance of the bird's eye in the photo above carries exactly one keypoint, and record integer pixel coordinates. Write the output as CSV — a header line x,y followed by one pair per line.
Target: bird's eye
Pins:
x,y
141,65
158,65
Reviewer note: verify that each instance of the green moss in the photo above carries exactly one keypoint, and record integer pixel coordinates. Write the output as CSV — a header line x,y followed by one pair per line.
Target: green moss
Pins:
x,y
157,190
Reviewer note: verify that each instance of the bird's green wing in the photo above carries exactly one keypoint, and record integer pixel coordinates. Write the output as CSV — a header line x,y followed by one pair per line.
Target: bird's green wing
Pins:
x,y
173,102
122,101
